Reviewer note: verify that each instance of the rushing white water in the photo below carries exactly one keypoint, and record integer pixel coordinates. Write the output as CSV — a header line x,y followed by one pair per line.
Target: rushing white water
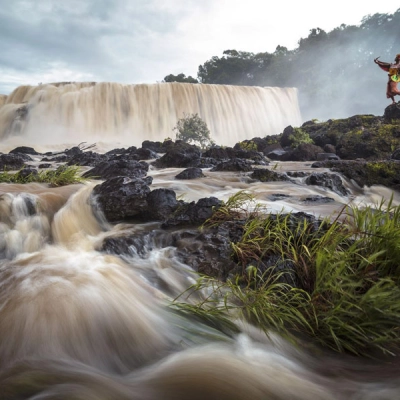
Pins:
x,y
76,323
77,112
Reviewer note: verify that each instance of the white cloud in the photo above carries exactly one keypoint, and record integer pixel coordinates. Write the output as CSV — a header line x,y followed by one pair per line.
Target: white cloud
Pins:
x,y
135,41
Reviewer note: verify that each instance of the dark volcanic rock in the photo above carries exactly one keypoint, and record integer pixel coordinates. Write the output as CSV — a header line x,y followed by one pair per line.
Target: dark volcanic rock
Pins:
x,y
24,150
276,154
161,204
12,162
87,158
266,175
220,153
121,197
327,156
190,173
303,152
45,165
191,214
112,168
235,165
367,173
26,171
181,155
392,113
316,199
330,181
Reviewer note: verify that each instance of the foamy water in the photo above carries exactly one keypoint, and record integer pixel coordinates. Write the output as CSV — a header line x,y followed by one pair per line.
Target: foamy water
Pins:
x,y
77,323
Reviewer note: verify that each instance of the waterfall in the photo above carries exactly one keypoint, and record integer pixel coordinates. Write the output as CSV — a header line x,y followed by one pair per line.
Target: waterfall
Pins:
x,y
112,112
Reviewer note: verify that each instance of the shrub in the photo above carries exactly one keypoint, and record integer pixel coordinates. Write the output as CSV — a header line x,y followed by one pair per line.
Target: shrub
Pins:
x,y
192,129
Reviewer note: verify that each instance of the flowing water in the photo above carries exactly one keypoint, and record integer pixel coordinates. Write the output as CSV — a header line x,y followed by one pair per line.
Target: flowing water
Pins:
x,y
76,323
66,113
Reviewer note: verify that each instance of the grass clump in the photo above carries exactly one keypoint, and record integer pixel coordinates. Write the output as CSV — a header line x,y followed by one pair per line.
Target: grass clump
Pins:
x,y
346,291
63,175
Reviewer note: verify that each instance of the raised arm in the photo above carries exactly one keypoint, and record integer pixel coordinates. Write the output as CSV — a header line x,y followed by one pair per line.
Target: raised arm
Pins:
x,y
385,66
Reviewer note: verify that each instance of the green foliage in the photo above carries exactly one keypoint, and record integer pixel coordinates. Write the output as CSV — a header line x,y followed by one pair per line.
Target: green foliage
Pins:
x,y
180,78
348,296
321,66
192,129
63,175
248,145
298,137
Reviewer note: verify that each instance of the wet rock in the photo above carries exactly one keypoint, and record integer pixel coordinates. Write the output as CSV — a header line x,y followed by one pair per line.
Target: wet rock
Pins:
x,y
392,113
367,173
145,154
27,171
193,214
120,198
278,196
57,158
157,147
161,204
395,155
329,181
276,154
317,199
235,165
190,173
330,148
303,152
286,140
73,151
297,174
12,162
45,165
24,150
112,168
266,175
327,156
207,252
87,159
181,155
220,153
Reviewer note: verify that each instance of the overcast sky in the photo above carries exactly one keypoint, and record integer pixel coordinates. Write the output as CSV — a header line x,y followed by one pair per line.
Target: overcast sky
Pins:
x,y
142,41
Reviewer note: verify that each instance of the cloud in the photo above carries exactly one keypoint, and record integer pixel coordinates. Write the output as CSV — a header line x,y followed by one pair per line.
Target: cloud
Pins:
x,y
142,41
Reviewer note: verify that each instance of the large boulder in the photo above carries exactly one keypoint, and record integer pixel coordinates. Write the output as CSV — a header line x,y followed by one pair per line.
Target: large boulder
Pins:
x,y
118,167
235,165
181,155
120,198
329,181
190,173
24,150
392,113
303,152
161,204
266,175
193,214
12,162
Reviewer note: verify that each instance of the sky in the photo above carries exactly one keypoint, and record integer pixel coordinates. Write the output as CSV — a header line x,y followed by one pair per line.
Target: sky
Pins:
x,y
142,41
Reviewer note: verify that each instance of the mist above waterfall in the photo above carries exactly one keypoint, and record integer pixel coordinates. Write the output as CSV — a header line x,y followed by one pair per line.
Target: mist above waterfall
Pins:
x,y
111,112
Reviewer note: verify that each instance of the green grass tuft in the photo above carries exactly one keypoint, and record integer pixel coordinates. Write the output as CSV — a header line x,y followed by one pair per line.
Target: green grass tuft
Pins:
x,y
63,175
346,293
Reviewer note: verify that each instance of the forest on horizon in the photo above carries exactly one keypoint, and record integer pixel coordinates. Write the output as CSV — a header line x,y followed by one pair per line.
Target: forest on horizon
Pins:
x,y
333,71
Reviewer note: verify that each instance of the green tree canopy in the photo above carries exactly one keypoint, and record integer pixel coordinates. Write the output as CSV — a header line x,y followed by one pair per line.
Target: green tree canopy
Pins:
x,y
180,78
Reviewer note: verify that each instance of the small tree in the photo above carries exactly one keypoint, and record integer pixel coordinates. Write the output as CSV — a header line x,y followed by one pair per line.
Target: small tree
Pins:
x,y
192,129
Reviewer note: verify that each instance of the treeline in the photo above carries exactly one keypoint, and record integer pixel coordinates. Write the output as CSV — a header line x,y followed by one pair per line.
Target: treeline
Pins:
x,y
334,71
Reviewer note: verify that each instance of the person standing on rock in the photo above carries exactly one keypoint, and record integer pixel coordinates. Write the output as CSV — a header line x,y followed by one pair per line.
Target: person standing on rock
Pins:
x,y
394,76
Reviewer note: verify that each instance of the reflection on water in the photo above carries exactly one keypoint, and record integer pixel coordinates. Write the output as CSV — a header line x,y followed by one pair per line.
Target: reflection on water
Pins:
x,y
79,324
